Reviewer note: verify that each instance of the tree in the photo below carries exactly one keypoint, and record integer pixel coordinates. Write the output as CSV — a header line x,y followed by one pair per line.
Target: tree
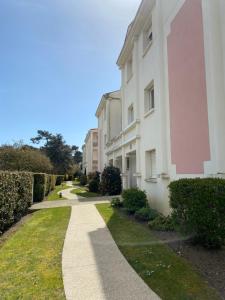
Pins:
x,y
77,156
20,157
60,154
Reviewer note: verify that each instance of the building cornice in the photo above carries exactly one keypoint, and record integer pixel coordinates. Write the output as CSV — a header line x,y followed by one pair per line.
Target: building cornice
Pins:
x,y
134,30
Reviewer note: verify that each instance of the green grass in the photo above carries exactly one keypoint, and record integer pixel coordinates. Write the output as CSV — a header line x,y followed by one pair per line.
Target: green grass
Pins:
x,y
30,260
54,194
82,191
169,275
76,182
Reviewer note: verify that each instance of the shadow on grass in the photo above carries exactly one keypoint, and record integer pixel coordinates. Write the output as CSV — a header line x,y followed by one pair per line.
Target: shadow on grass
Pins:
x,y
168,274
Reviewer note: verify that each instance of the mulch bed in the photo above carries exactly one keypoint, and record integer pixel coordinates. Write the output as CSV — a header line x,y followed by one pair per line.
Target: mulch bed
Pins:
x,y
210,263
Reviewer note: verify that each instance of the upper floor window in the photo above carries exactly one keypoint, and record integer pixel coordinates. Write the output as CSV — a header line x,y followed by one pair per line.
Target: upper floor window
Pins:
x,y
130,114
149,98
147,37
129,68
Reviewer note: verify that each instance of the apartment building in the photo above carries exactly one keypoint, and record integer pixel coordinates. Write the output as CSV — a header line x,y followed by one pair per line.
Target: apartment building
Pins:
x,y
109,116
172,97
90,152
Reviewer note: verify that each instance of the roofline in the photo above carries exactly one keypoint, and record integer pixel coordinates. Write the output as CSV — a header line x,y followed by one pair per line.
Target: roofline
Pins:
x,y
133,29
105,97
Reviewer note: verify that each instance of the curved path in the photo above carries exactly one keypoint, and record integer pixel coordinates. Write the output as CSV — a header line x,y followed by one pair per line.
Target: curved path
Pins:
x,y
92,265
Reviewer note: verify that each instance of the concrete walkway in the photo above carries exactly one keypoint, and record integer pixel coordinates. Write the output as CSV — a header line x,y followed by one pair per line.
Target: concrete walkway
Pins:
x,y
92,265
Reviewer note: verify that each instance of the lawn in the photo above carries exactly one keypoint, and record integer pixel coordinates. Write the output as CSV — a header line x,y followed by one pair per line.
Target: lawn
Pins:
x,y
82,191
54,194
30,260
169,275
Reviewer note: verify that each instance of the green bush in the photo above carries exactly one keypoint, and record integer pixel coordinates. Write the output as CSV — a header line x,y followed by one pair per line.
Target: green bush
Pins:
x,y
83,180
134,199
39,187
15,197
199,207
93,186
146,214
116,202
94,181
59,179
162,223
111,181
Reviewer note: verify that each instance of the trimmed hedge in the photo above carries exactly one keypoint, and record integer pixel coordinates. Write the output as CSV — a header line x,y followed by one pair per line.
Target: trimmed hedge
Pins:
x,y
93,182
199,207
59,179
15,197
43,185
39,187
134,199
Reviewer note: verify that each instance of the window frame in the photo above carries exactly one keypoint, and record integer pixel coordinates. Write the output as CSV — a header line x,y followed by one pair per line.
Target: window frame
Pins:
x,y
130,115
150,163
147,32
149,101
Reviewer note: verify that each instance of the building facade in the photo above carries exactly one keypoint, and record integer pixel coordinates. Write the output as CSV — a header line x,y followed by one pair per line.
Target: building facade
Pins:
x,y
172,97
90,152
109,116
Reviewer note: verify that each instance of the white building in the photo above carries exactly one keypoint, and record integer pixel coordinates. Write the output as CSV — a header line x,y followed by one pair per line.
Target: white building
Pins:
x,y
90,152
109,116
172,97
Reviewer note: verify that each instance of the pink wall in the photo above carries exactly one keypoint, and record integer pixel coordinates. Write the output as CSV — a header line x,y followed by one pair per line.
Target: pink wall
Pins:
x,y
187,90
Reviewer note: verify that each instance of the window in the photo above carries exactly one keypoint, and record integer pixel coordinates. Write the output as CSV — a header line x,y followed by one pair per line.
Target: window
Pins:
x,y
130,114
147,37
149,98
127,163
129,68
150,162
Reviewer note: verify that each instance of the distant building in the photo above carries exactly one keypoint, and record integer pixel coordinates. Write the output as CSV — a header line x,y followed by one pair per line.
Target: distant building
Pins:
x,y
90,152
109,114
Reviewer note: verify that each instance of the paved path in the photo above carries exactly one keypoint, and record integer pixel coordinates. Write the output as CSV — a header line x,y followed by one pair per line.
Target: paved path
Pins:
x,y
92,265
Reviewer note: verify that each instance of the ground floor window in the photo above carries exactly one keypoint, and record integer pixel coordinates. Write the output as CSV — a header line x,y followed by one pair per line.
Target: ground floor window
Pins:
x,y
150,163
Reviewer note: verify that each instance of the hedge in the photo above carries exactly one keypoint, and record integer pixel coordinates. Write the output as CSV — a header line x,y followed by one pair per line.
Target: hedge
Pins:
x,y
43,185
39,187
199,207
59,179
15,197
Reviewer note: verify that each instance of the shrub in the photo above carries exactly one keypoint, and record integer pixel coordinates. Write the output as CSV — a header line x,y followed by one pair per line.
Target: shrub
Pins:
x,y
59,179
116,202
199,207
162,223
134,199
93,175
83,180
93,186
15,197
94,180
39,187
146,214
111,181
70,177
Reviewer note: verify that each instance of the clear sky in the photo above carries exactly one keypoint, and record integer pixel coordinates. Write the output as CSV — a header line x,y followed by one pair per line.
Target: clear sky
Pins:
x,y
57,58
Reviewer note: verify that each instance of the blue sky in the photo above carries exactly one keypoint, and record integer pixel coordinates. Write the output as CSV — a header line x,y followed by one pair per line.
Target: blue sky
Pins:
x,y
57,58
